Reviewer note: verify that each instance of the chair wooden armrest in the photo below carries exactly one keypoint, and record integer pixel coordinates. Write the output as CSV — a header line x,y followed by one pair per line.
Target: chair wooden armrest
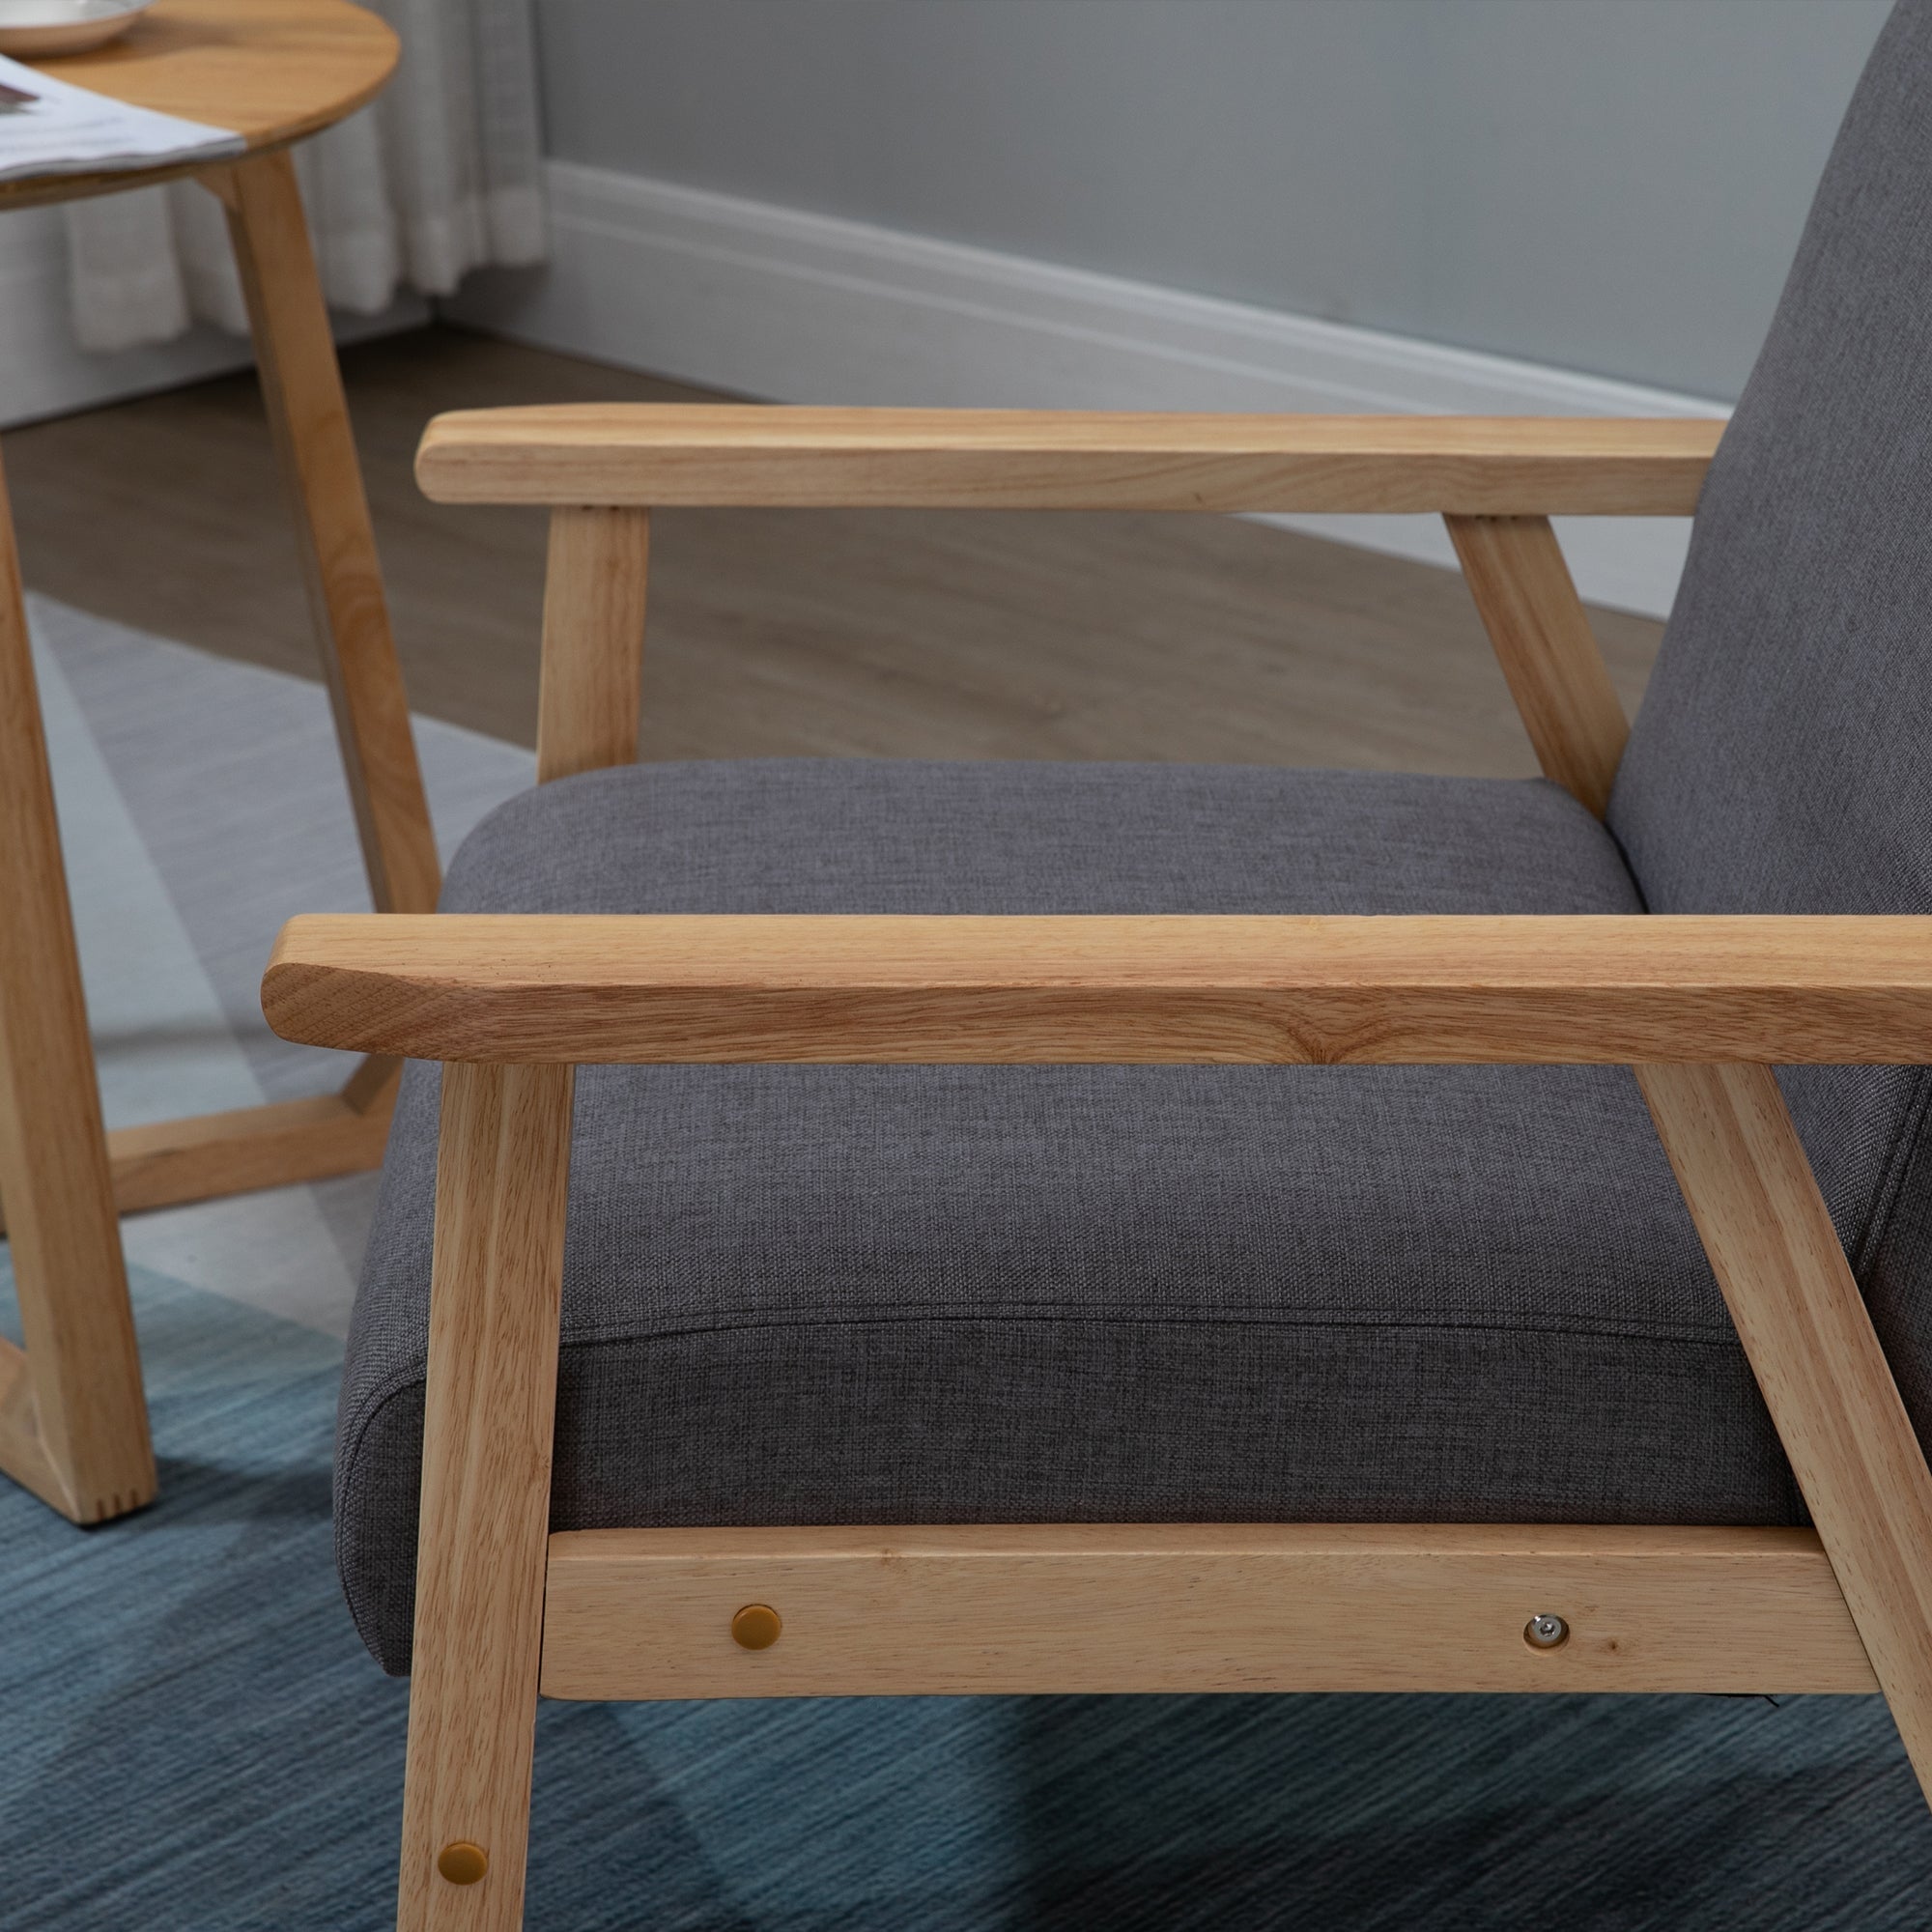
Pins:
x,y
654,454
1275,989
1495,480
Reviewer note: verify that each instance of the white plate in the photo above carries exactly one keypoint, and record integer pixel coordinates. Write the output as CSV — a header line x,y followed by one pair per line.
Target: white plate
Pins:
x,y
39,29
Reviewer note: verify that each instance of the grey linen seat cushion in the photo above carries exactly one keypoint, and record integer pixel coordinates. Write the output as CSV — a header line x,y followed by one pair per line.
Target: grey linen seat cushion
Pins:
x,y
812,1294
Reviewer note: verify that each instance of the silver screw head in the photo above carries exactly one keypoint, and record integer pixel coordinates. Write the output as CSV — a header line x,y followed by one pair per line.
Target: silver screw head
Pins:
x,y
1544,1632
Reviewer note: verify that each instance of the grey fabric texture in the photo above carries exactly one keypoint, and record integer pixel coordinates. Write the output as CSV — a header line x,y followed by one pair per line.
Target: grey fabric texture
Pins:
x,y
1782,761
802,1295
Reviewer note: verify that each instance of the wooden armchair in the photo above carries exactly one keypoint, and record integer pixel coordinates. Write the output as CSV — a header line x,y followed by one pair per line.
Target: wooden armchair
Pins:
x,y
1325,1460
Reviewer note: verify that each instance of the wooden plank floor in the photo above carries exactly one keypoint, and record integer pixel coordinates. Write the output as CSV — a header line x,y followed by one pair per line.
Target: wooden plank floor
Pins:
x,y
914,633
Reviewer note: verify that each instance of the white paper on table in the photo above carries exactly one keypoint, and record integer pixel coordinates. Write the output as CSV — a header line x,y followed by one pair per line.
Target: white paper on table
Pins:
x,y
66,129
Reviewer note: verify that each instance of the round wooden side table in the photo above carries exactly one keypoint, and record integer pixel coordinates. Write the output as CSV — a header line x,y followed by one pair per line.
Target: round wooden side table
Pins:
x,y
73,1425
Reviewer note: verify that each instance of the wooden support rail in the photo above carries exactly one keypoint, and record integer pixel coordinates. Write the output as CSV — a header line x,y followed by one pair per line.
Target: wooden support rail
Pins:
x,y
1194,1606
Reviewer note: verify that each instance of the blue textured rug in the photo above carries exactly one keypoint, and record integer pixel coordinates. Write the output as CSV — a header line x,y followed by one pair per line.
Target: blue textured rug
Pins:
x,y
192,1740
195,1739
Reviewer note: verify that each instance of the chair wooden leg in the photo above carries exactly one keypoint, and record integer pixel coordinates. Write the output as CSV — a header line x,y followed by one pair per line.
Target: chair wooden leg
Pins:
x,y
303,388
73,1423
503,1172
1805,1327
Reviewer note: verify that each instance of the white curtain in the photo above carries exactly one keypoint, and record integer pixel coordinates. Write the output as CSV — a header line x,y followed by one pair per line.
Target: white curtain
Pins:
x,y
438,176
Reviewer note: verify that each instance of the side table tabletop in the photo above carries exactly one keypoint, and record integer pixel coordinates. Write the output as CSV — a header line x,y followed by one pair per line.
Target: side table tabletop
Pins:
x,y
73,1425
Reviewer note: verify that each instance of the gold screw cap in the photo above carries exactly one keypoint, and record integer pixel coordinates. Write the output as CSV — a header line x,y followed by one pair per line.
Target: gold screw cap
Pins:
x,y
462,1864
756,1626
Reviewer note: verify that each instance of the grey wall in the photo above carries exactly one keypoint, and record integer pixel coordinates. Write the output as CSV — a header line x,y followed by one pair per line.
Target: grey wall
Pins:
x,y
1612,185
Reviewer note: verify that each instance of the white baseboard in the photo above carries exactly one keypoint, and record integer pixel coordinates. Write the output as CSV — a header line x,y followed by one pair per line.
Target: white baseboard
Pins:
x,y
770,302
44,373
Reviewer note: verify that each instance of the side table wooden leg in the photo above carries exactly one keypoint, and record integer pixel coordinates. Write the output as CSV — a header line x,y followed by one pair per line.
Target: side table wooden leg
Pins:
x,y
74,1422
303,388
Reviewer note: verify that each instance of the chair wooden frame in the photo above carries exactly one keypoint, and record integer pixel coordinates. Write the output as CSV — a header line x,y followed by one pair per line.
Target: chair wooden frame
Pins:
x,y
1703,1009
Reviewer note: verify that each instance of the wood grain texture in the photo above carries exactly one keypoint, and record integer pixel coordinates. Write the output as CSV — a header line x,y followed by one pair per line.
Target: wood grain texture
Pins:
x,y
1199,989
593,641
645,1614
502,1170
272,70
74,1421
1805,1327
1520,584
303,389
662,454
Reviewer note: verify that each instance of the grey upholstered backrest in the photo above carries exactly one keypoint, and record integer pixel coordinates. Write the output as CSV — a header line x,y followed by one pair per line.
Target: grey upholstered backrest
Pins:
x,y
1782,760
